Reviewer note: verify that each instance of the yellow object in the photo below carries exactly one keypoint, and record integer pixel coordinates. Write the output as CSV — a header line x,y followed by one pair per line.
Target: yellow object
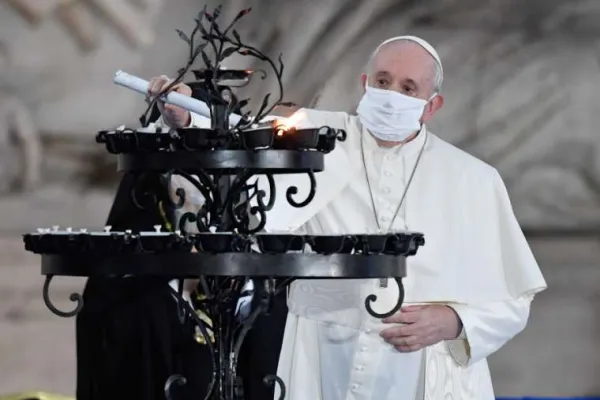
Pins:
x,y
199,336
35,396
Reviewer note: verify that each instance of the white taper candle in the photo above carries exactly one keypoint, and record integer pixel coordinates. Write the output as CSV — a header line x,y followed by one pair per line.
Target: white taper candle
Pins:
x,y
188,103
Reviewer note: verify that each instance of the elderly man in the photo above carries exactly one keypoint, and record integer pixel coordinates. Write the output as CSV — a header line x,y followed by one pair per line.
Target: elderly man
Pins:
x,y
468,290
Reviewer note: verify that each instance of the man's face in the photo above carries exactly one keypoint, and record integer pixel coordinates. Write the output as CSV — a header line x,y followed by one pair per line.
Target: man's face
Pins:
x,y
407,68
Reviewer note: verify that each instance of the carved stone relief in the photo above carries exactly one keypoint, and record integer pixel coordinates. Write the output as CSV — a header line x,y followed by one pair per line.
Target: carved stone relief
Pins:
x,y
521,79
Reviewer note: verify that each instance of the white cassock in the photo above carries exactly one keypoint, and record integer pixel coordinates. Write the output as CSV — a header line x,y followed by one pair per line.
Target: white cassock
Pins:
x,y
475,259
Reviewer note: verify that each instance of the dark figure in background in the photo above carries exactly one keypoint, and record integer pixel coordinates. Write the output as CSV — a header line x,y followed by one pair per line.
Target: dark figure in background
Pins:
x,y
130,339
259,355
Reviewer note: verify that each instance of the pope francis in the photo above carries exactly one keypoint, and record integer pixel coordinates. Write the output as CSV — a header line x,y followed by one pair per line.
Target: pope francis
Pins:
x,y
468,290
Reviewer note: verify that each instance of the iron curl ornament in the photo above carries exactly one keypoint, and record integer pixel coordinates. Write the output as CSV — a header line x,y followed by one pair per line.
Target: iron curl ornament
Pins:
x,y
75,297
205,183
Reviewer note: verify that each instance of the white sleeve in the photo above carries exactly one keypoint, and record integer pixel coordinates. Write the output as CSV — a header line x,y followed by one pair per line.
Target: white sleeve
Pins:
x,y
487,328
199,121
196,121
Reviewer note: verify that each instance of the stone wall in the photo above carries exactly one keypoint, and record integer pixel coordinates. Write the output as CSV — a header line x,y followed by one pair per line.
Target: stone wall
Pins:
x,y
521,81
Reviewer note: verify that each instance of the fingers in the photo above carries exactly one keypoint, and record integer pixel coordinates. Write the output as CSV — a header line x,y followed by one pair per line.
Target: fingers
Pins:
x,y
408,309
402,317
183,89
155,84
399,331
174,116
179,88
161,83
408,349
402,339
170,109
418,329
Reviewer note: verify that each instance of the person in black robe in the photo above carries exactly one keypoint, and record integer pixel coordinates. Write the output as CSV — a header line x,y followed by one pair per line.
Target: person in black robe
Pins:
x,y
129,336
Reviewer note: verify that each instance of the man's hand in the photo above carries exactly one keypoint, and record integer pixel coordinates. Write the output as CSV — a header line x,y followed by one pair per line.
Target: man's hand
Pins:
x,y
424,326
174,116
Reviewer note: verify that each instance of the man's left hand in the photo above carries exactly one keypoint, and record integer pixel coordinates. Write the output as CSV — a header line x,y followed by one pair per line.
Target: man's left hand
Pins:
x,y
424,326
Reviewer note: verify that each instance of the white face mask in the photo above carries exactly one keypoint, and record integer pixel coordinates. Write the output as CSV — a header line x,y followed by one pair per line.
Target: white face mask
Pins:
x,y
389,115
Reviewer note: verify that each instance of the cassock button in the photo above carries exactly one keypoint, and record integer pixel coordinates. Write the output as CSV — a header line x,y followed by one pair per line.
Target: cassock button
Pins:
x,y
387,173
355,386
359,368
386,190
364,349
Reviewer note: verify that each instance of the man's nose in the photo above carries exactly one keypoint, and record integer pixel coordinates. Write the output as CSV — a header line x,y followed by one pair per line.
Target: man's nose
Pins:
x,y
396,87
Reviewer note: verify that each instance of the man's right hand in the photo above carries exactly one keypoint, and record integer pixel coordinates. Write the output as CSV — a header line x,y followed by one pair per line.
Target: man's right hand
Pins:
x,y
175,117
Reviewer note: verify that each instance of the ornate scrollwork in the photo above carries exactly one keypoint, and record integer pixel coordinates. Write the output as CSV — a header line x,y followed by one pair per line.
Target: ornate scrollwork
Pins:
x,y
170,384
228,213
293,190
272,194
341,135
179,192
188,311
144,193
259,210
75,297
373,298
267,289
272,380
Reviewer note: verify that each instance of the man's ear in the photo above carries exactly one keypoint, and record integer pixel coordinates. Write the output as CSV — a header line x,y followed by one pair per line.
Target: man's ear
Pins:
x,y
432,107
437,102
363,81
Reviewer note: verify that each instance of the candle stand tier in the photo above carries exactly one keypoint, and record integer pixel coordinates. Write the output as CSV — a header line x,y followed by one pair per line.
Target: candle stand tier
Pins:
x,y
223,262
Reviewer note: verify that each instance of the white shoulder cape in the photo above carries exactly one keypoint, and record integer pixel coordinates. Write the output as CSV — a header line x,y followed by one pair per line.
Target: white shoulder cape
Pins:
x,y
474,249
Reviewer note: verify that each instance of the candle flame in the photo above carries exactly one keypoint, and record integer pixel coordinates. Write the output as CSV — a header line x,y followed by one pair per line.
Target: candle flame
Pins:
x,y
286,124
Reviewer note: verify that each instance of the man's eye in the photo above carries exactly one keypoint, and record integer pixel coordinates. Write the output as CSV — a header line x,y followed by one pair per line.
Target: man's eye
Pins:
x,y
409,90
382,83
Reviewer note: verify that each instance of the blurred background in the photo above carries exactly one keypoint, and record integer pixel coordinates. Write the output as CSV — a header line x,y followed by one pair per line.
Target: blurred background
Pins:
x,y
521,87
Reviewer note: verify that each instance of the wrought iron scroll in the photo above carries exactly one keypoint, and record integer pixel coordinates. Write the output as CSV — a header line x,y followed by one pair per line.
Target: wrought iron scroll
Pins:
x,y
373,298
75,297
234,207
223,43
187,309
293,190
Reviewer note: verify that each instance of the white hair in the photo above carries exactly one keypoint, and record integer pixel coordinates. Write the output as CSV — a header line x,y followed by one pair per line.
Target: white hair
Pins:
x,y
438,78
438,72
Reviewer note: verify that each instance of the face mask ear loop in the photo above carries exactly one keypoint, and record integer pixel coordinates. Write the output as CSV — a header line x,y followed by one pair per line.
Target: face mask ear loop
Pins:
x,y
433,96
